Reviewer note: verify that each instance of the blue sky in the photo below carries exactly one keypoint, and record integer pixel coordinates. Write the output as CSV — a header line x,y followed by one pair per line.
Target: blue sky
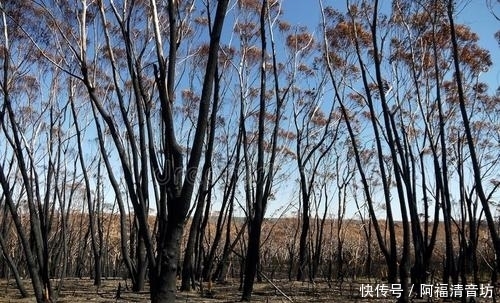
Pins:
x,y
473,13
477,16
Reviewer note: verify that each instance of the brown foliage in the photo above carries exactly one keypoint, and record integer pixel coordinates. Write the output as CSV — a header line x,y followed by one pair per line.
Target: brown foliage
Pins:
x,y
246,29
253,5
303,41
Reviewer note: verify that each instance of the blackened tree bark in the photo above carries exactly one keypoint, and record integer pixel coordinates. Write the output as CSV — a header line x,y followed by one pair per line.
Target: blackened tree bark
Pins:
x,y
8,261
140,151
441,168
265,173
309,157
257,211
135,271
390,253
357,40
483,197
196,230
96,250
178,195
226,216
35,239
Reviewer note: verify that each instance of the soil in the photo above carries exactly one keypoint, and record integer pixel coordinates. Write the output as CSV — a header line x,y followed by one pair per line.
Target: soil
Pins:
x,y
83,290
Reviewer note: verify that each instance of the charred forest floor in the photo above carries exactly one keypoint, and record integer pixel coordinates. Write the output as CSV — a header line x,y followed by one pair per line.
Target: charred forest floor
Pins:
x,y
83,290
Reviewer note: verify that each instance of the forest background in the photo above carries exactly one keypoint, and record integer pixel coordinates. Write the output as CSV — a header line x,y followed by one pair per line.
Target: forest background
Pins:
x,y
159,140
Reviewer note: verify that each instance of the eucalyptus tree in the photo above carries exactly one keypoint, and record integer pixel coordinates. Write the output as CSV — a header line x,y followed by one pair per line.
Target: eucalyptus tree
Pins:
x,y
36,141
422,50
94,224
336,56
216,263
261,110
380,94
402,63
415,80
8,241
315,131
428,59
344,178
201,215
467,62
126,56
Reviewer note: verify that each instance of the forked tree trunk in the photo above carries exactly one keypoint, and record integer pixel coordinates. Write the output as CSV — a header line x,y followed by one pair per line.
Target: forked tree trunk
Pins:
x,y
196,231
137,271
176,192
163,285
